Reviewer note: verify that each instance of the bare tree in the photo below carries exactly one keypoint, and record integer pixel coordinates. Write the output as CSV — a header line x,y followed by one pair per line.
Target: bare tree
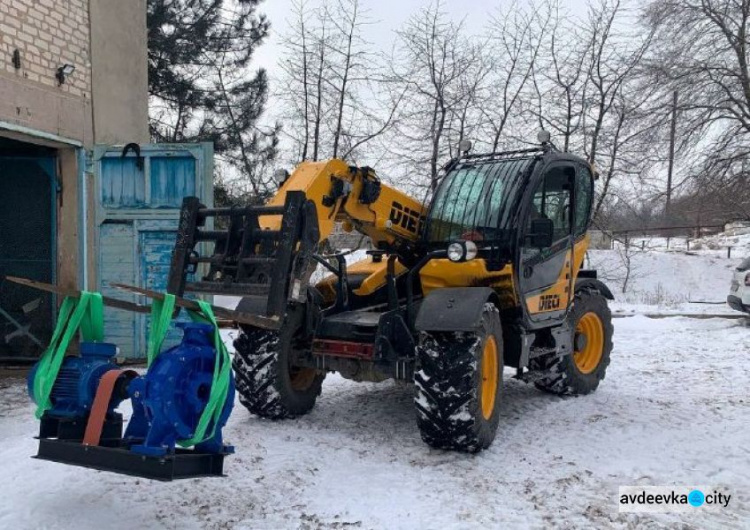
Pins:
x,y
592,92
704,52
602,85
364,108
465,119
559,78
296,66
608,70
618,106
431,63
321,49
516,37
297,88
331,81
351,59
254,148
303,87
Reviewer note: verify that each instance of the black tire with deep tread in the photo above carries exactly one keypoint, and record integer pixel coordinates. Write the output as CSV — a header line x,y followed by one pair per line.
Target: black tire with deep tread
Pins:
x,y
262,386
448,386
564,377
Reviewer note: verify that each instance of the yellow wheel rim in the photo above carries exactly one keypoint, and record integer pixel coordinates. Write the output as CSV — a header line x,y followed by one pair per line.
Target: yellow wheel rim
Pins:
x,y
489,377
590,355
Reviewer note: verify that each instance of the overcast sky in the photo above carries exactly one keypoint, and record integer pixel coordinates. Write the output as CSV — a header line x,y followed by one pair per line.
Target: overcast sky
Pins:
x,y
387,16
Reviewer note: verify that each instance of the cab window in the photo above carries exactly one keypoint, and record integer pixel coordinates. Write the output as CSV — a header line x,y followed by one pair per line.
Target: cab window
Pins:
x,y
584,195
552,200
472,201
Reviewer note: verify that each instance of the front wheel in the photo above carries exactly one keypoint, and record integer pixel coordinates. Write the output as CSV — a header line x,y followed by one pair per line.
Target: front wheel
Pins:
x,y
267,382
580,372
459,385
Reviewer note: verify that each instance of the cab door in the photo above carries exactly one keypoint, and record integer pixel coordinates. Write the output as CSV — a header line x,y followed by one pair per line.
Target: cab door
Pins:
x,y
545,272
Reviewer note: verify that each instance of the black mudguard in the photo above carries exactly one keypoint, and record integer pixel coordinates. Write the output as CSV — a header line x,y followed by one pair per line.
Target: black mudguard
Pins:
x,y
453,309
592,283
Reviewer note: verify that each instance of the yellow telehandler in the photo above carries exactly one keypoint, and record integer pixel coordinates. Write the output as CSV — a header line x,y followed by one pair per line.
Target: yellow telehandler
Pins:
x,y
489,274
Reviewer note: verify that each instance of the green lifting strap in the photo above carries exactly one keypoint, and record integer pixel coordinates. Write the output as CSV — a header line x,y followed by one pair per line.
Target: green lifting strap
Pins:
x,y
86,313
221,380
161,316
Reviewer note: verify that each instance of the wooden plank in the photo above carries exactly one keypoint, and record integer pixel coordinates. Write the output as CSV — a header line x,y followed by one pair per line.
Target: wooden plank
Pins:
x,y
123,185
65,291
272,323
221,312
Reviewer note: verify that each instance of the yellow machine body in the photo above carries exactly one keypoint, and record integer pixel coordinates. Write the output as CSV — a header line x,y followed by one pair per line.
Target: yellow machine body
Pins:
x,y
394,217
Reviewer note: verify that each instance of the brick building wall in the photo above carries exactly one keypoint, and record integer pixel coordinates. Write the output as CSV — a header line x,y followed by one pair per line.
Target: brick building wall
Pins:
x,y
104,101
48,34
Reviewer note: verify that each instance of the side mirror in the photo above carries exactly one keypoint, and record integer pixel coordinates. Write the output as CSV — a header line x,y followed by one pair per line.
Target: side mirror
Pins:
x,y
541,233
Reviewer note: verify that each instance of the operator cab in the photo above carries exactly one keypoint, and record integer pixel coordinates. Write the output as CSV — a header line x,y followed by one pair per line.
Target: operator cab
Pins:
x,y
527,212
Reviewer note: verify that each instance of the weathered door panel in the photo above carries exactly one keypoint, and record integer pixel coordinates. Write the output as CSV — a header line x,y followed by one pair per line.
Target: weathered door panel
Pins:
x,y
117,265
123,184
172,179
138,204
155,244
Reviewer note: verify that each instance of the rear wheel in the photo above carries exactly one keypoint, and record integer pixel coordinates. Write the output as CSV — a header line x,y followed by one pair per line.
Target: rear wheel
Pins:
x,y
581,372
459,386
268,384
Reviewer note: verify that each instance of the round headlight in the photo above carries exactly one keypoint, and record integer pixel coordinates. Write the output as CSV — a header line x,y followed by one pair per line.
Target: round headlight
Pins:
x,y
455,252
471,250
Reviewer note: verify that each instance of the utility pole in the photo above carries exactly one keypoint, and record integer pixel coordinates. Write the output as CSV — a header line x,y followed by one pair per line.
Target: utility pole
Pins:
x,y
672,134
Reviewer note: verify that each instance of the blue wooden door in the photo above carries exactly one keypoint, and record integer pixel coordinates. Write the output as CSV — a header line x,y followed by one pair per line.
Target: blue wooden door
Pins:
x,y
155,243
138,204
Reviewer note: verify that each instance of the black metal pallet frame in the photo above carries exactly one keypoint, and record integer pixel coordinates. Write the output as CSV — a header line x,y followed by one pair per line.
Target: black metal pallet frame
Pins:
x,y
120,459
242,250
60,440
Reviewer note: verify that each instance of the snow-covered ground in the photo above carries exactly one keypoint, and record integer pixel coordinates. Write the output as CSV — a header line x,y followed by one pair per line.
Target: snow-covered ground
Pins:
x,y
674,409
667,278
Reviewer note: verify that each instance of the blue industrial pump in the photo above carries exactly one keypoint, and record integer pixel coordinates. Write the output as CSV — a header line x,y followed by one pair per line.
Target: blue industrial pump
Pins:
x,y
169,399
168,402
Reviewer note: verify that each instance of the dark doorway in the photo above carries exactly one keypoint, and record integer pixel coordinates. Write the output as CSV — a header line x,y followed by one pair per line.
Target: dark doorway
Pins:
x,y
27,246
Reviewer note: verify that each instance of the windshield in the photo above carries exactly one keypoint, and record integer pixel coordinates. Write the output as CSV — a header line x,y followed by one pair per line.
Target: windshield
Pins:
x,y
472,201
